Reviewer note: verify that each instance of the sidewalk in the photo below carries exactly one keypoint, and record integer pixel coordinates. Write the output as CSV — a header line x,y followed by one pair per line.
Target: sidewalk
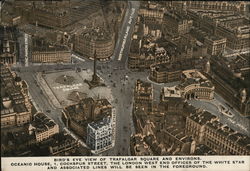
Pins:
x,y
48,92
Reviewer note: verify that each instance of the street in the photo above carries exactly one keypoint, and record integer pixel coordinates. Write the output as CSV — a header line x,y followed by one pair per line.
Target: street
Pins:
x,y
121,81
123,89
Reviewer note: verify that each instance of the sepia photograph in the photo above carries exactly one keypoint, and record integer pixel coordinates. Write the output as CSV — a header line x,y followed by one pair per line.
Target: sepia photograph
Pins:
x,y
125,85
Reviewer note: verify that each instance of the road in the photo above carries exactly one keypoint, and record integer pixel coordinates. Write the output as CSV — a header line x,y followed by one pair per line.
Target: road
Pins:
x,y
114,73
122,89
236,122
40,99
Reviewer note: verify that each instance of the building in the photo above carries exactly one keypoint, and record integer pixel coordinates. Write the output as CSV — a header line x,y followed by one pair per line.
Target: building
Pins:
x,y
151,11
230,75
164,73
215,45
195,124
143,95
8,46
64,145
236,6
77,116
172,71
15,102
43,127
175,24
138,146
99,134
239,6
195,85
144,53
226,24
44,52
50,15
206,129
237,38
92,40
171,100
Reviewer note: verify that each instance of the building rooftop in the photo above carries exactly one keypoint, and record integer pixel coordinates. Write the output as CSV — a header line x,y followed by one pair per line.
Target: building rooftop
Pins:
x,y
214,37
42,122
202,149
202,117
194,77
42,45
106,121
96,34
175,16
166,67
79,112
12,98
171,92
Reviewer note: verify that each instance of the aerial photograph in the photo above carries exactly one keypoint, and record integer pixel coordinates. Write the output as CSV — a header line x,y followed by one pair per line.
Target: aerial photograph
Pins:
x,y
124,78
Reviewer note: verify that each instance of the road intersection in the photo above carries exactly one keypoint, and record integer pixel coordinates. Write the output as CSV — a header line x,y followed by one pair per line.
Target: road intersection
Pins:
x,y
118,77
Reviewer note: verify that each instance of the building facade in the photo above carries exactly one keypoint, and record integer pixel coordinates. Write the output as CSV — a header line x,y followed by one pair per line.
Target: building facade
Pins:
x,y
43,127
172,71
175,24
44,52
96,40
164,73
77,116
99,134
50,16
8,45
205,128
143,95
215,45
171,100
15,102
195,85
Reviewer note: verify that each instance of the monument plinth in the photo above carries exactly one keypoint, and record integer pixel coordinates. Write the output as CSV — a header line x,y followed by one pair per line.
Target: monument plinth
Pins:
x,y
96,81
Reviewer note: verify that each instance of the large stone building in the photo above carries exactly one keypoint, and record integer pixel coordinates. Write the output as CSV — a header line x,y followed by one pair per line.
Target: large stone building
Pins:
x,y
77,116
152,11
229,25
164,73
206,129
237,38
230,75
50,15
8,45
15,102
195,85
43,127
170,72
143,95
175,24
171,100
97,40
44,52
65,145
99,134
140,58
145,51
235,6
215,45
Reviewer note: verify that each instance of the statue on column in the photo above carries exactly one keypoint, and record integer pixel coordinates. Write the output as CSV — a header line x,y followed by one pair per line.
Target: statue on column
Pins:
x,y
96,81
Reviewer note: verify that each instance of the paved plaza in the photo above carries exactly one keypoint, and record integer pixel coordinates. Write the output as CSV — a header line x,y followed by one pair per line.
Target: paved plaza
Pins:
x,y
64,89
